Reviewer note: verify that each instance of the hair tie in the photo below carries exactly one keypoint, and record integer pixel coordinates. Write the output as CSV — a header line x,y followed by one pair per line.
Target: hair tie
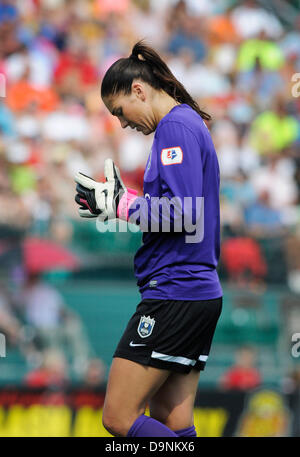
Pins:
x,y
138,57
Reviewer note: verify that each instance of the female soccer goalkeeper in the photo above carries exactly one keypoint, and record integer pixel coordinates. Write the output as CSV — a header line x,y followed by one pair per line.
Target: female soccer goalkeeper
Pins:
x,y
167,340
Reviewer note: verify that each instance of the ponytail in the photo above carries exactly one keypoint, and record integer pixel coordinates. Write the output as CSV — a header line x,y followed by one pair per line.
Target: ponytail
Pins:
x,y
144,63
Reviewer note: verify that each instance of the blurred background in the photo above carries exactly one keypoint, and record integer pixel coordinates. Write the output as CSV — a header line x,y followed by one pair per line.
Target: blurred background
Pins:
x,y
66,289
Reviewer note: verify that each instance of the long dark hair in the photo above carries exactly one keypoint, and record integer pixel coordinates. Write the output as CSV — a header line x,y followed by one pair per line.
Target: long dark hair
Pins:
x,y
144,63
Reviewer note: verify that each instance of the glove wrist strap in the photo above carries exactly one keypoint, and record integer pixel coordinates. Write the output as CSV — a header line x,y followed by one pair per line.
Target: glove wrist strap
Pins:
x,y
125,202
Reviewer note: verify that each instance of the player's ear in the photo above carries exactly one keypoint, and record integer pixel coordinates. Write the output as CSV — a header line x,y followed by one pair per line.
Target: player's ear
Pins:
x,y
138,89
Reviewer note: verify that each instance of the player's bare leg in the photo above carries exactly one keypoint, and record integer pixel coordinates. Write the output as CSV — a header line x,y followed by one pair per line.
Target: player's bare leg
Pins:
x,y
173,403
129,389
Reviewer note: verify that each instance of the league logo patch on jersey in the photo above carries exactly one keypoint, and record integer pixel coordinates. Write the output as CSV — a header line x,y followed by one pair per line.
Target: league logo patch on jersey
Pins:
x,y
171,156
145,326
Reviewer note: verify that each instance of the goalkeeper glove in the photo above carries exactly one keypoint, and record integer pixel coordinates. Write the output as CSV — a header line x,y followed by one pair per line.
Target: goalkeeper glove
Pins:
x,y
107,200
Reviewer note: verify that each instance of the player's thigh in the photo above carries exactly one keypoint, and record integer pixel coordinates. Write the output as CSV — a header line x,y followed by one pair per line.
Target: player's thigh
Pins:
x,y
173,403
129,388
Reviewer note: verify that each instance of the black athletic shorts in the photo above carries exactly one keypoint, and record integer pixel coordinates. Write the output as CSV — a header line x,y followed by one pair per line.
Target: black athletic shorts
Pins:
x,y
171,334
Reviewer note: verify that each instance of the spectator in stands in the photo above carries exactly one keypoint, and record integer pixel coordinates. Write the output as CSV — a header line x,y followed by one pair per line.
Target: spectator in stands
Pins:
x,y
250,19
274,129
278,181
197,78
54,325
261,219
188,35
94,375
52,372
260,50
222,29
263,83
74,72
244,262
239,190
9,17
243,375
23,92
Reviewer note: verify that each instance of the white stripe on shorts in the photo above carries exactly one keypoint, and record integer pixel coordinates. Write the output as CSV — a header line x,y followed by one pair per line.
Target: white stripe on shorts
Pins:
x,y
203,358
170,358
177,359
181,360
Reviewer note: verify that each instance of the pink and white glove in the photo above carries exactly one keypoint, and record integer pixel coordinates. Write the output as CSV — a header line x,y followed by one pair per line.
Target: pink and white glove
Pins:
x,y
108,200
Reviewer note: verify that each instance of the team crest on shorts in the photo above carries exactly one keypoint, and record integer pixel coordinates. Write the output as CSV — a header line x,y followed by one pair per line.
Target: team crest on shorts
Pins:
x,y
145,326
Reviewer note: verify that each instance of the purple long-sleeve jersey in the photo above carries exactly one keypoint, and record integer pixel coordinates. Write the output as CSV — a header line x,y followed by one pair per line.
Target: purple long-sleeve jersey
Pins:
x,y
178,263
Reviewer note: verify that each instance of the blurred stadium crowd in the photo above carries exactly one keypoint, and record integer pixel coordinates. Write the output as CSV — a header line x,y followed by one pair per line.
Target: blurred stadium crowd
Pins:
x,y
237,59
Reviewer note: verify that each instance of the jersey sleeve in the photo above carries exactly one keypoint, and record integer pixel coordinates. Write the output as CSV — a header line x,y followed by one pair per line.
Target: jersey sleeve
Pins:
x,y
181,177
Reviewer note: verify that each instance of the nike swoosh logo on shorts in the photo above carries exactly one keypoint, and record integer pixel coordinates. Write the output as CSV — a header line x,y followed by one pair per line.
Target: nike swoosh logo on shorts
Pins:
x,y
132,344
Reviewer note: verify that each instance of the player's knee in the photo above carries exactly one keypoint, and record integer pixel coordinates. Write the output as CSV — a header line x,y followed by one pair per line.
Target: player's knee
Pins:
x,y
116,422
109,425
113,424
